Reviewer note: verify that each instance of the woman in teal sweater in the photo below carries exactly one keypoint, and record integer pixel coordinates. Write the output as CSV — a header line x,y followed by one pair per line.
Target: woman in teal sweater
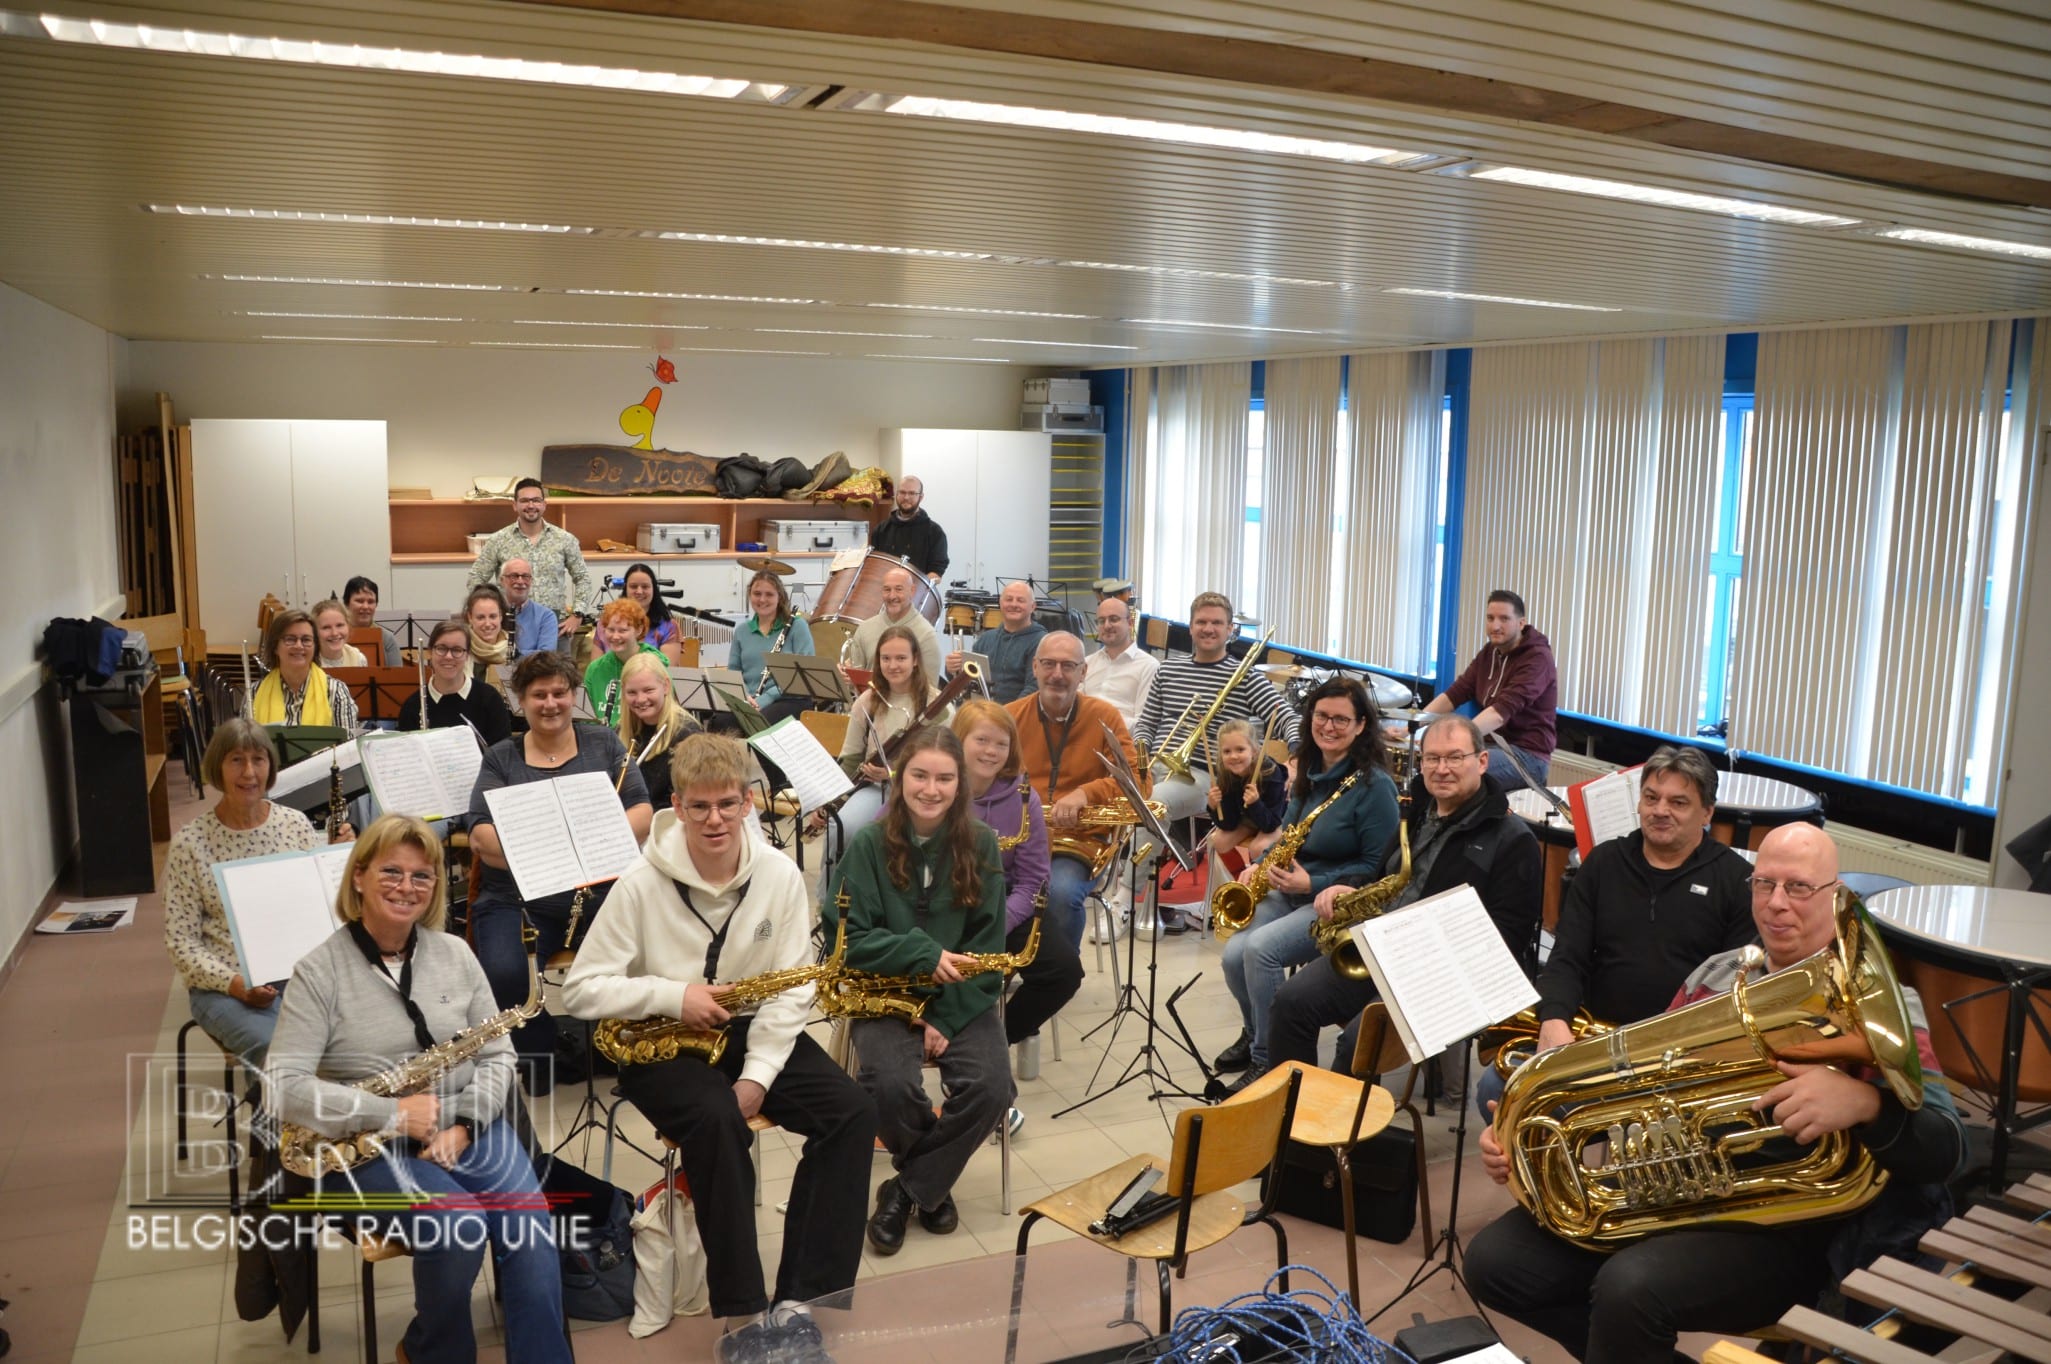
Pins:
x,y
925,892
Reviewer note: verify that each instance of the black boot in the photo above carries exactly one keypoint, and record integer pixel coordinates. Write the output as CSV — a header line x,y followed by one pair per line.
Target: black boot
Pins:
x,y
886,1227
941,1220
1238,1056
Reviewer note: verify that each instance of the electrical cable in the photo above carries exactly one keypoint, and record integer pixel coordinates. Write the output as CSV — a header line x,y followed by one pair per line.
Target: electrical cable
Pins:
x,y
1324,1327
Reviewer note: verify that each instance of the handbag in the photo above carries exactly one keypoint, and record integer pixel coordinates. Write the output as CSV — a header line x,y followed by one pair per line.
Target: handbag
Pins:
x,y
1384,1185
595,1240
669,1272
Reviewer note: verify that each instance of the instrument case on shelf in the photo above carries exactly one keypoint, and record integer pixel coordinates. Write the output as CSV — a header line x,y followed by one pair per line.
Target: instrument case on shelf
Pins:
x,y
676,537
812,537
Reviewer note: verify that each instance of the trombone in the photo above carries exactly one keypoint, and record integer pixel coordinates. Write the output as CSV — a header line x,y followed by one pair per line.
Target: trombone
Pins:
x,y
1176,752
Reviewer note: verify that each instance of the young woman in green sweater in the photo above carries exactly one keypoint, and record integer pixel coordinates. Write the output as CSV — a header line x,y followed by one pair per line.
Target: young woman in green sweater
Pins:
x,y
925,892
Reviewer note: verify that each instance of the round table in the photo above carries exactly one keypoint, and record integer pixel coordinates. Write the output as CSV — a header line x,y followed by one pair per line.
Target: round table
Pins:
x,y
1980,957
1748,805
1555,837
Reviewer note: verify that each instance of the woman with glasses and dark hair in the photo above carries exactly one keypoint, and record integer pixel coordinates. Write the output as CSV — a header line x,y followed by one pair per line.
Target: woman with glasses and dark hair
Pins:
x,y
453,696
553,746
385,987
1342,770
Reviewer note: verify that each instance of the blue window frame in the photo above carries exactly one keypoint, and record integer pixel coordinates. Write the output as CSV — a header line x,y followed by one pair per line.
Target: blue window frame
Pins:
x,y
1726,559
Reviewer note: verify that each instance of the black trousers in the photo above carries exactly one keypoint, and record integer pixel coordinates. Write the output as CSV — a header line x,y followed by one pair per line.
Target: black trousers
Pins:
x,y
692,1104
1315,998
1628,1307
1047,983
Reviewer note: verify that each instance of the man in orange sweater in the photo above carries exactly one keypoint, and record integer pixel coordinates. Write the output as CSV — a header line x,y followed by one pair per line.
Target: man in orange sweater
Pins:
x,y
1062,749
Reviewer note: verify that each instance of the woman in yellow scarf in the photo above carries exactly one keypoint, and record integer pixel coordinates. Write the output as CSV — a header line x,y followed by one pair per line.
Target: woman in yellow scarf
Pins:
x,y
294,690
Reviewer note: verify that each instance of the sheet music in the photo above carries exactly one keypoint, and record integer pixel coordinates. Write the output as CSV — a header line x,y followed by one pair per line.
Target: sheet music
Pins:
x,y
1443,970
815,776
599,832
1611,805
457,754
425,773
313,771
536,837
280,907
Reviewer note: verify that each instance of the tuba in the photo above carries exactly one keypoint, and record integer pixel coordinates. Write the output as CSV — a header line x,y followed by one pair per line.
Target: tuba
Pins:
x,y
1510,1043
1671,1096
1334,936
639,1041
1176,753
1233,904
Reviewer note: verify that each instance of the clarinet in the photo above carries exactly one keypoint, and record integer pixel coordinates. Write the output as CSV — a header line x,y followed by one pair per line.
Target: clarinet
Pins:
x,y
612,691
774,649
338,808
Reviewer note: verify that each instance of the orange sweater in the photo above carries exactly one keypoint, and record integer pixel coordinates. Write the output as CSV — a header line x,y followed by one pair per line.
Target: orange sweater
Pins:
x,y
1080,765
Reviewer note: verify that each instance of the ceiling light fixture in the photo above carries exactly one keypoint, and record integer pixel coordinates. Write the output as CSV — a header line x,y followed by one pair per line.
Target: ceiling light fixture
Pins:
x,y
284,215
983,312
1501,298
1147,130
801,244
702,298
355,56
555,345
365,340
365,283
350,317
816,331
642,326
1663,198
945,359
1924,236
1063,345
743,350
1219,326
1185,272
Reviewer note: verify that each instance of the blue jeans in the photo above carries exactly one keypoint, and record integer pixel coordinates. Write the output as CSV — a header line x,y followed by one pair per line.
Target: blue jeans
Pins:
x,y
1068,885
237,1027
1257,961
448,1236
495,922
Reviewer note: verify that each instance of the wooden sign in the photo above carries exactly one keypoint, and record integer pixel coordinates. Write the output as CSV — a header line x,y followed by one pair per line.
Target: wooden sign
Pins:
x,y
622,471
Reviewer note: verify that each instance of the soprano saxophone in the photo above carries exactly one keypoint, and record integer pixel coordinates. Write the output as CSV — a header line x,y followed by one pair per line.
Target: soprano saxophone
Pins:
x,y
637,1042
304,1151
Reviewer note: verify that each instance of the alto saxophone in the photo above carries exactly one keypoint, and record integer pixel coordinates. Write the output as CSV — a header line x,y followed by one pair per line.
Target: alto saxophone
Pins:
x,y
1233,904
1334,936
1117,816
865,994
304,1151
638,1042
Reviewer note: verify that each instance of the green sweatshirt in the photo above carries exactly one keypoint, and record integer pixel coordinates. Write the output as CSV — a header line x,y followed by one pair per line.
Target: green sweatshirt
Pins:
x,y
888,934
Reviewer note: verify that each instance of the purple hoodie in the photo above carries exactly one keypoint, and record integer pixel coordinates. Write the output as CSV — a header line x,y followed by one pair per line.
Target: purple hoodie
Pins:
x,y
1025,866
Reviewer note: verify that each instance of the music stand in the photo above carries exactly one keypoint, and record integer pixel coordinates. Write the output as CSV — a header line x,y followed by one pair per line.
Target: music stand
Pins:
x,y
698,688
379,693
1448,1235
1147,1063
813,675
1516,761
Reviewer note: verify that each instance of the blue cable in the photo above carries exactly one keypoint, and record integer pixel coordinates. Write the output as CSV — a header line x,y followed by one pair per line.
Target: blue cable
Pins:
x,y
1312,1326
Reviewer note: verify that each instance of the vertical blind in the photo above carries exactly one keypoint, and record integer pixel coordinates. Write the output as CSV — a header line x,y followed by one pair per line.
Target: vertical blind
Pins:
x,y
1196,528
1870,513
1590,472
1299,476
1139,421
1393,402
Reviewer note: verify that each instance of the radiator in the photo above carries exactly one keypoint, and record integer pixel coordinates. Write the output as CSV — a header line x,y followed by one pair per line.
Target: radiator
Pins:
x,y
1571,769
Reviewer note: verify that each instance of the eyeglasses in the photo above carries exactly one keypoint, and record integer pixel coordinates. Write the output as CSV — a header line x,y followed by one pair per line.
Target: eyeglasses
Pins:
x,y
295,642
1764,886
1330,721
391,878
1058,666
1435,761
698,811
450,650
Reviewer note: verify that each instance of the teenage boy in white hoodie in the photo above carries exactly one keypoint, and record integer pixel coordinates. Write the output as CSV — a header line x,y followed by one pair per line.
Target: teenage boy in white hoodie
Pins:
x,y
708,904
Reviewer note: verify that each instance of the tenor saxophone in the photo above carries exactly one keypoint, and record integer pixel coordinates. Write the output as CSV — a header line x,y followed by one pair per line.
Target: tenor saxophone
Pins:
x,y
304,1151
1117,816
638,1042
1233,904
1334,936
865,994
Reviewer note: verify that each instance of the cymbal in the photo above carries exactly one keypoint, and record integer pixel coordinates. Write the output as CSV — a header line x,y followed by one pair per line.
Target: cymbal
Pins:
x,y
757,563
1409,716
1282,672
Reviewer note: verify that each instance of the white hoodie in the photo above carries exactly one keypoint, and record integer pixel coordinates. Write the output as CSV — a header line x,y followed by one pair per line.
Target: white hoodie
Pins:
x,y
645,946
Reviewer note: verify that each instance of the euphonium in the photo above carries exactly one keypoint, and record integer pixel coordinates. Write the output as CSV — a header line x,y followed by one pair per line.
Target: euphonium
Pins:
x,y
1233,904
863,994
639,1041
1176,753
1672,1098
304,1151
1334,936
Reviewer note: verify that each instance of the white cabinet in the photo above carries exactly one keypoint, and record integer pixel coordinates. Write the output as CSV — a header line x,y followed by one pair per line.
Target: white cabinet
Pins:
x,y
989,492
294,508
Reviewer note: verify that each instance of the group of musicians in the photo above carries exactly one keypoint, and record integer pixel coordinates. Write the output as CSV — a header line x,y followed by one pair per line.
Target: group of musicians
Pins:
x,y
992,824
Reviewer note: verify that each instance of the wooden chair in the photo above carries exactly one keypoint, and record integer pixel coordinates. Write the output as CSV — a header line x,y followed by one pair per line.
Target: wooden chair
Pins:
x,y
1338,1112
1377,1051
828,727
1156,636
1215,1149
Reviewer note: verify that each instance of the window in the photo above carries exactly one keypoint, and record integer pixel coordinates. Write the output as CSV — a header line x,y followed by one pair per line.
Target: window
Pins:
x,y
1256,465
1726,558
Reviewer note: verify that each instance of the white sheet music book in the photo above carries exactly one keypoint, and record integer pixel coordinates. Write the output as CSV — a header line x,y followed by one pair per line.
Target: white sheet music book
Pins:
x,y
1605,807
815,775
427,773
280,907
1443,970
562,833
314,771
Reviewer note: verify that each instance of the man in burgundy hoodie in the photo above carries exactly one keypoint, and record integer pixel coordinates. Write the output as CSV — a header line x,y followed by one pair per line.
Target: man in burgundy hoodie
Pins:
x,y
1514,683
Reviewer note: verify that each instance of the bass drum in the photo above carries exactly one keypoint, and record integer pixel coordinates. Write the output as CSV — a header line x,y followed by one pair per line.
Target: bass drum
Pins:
x,y
854,591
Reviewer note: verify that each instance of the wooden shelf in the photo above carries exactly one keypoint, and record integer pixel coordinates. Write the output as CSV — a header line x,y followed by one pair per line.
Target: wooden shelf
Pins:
x,y
598,556
433,530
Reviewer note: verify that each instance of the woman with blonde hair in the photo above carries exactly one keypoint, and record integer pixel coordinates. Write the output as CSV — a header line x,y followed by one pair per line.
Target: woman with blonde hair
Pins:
x,y
622,626
652,724
898,692
331,625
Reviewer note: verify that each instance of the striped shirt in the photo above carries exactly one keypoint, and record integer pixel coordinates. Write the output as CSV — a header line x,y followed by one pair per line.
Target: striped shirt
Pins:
x,y
1181,681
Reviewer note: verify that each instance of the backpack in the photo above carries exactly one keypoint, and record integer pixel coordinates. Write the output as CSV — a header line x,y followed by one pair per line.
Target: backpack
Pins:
x,y
89,649
597,1247
739,476
784,475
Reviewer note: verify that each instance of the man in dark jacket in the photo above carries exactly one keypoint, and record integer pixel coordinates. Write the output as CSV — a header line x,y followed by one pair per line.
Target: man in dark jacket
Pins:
x,y
1461,832
1514,683
911,534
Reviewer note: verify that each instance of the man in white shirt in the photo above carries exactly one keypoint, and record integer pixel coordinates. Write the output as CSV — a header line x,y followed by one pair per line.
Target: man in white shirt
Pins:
x,y
1121,672
897,610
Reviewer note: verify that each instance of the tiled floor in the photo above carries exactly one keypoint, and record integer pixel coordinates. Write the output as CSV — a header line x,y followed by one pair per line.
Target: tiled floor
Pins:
x,y
78,1152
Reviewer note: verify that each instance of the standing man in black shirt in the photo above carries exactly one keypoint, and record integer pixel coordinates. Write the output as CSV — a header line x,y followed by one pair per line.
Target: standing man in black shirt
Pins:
x,y
910,534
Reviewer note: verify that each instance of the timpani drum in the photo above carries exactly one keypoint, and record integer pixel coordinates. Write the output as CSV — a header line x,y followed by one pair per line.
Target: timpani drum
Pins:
x,y
1748,805
1555,840
854,588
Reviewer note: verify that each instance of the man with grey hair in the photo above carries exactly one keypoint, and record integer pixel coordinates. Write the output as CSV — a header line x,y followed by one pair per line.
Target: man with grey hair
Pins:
x,y
533,625
1462,832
